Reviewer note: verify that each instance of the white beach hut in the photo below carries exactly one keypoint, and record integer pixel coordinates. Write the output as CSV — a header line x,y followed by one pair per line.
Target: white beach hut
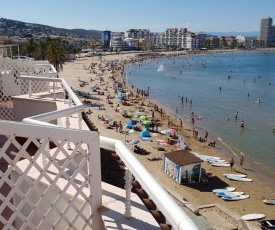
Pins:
x,y
182,166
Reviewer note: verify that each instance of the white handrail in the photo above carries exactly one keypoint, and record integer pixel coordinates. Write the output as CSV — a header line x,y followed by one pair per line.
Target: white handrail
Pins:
x,y
174,214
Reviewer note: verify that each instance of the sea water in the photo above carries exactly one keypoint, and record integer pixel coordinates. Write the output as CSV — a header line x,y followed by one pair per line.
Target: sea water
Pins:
x,y
216,87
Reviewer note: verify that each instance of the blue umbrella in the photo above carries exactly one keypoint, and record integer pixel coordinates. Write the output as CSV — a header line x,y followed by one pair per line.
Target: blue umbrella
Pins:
x,y
144,133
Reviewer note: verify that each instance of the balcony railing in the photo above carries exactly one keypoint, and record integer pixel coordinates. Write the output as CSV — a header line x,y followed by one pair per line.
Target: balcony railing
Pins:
x,y
74,144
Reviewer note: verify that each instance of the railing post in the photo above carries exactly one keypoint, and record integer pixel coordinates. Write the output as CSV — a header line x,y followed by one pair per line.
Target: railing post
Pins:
x,y
80,120
70,101
30,88
54,96
128,187
68,126
64,95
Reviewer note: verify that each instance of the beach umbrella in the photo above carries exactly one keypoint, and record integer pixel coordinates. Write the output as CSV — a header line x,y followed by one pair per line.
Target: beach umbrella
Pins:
x,y
144,133
147,122
132,122
144,118
172,131
120,96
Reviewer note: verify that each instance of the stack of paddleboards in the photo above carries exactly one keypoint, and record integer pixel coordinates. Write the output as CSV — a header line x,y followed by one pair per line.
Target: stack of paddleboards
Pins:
x,y
214,161
219,163
237,177
229,194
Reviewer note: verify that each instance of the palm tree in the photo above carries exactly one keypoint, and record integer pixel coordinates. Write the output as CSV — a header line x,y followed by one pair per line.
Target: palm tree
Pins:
x,y
41,50
30,46
56,54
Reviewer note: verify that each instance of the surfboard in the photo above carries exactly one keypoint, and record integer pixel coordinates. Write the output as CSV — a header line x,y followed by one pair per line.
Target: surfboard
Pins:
x,y
226,189
206,157
239,178
218,161
235,198
216,164
234,174
227,193
254,216
269,201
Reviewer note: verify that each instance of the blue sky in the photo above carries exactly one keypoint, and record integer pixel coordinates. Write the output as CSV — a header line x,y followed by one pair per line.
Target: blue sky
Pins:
x,y
156,15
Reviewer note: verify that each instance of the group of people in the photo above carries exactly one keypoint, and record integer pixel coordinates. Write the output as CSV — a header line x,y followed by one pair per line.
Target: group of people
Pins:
x,y
232,162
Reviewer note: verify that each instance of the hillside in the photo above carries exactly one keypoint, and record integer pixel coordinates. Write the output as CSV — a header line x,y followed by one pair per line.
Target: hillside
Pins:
x,y
10,27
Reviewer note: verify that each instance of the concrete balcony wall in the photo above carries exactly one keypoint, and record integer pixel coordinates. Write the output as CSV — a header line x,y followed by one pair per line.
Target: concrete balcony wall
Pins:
x,y
26,107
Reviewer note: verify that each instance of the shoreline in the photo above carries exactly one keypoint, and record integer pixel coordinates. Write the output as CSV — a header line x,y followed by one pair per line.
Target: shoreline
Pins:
x,y
267,174
199,194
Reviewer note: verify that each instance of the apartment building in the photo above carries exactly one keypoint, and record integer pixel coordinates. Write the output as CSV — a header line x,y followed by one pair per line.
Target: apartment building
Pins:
x,y
267,31
138,33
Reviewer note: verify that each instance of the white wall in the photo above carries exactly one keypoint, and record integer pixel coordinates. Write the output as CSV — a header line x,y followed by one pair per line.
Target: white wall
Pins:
x,y
25,107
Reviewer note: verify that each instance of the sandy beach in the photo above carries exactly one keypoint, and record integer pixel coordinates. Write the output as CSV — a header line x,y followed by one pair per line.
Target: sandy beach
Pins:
x,y
87,72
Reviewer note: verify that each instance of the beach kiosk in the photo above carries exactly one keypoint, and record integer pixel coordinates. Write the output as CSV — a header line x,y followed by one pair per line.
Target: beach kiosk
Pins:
x,y
183,166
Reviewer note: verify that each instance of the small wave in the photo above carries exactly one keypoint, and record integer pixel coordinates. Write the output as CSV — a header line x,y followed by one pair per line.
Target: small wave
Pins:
x,y
161,68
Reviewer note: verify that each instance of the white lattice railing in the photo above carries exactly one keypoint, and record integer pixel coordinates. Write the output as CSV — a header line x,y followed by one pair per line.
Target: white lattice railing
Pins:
x,y
52,187
11,85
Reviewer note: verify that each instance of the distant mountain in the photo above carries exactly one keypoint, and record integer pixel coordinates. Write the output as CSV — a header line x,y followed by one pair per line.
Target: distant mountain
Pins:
x,y
234,33
10,27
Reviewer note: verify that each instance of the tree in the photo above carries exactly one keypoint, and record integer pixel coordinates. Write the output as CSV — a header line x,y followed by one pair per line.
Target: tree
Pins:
x,y
41,50
56,54
30,46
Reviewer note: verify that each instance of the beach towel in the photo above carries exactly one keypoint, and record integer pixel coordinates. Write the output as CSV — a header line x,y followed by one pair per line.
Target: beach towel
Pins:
x,y
133,142
147,139
154,134
165,132
160,141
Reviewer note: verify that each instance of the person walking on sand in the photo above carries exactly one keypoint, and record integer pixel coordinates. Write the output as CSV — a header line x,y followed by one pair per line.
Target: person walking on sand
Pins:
x,y
231,162
241,161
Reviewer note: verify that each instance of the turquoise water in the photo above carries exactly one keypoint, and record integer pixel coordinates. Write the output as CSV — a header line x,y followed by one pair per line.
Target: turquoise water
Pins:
x,y
200,81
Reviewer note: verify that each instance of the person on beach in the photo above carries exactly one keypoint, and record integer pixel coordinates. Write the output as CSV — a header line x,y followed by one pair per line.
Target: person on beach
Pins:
x,y
231,162
120,127
205,136
241,161
236,115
